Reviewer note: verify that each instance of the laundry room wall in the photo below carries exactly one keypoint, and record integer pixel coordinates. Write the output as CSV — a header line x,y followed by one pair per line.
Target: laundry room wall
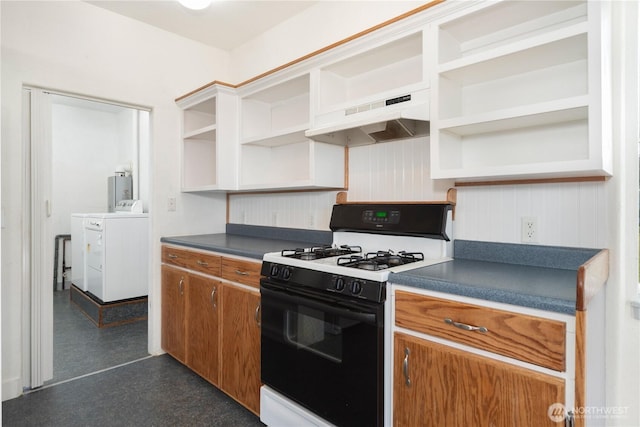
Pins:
x,y
89,140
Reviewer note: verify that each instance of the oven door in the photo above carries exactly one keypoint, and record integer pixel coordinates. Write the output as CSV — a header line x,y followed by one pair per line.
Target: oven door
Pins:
x,y
325,354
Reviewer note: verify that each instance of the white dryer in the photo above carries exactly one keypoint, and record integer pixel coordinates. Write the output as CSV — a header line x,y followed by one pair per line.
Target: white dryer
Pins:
x,y
110,252
116,255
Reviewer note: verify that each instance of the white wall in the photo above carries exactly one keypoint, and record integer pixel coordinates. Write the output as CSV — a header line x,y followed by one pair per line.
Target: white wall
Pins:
x,y
75,47
315,28
87,145
88,140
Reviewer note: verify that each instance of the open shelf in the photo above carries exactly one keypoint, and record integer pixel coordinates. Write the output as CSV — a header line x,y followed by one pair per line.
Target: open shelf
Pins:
x,y
209,140
277,115
305,164
363,77
515,92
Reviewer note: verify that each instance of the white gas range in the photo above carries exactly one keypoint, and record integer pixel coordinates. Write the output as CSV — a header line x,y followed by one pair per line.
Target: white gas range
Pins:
x,y
323,312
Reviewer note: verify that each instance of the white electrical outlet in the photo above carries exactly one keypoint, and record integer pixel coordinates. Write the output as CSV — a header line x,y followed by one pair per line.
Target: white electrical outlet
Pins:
x,y
171,204
529,229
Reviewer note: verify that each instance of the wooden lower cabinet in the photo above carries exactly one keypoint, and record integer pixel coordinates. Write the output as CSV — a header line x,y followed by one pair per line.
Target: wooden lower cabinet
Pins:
x,y
174,286
438,385
240,370
213,327
203,333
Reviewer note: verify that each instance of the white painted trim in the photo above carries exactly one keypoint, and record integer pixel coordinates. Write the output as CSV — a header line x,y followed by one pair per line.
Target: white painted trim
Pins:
x,y
41,303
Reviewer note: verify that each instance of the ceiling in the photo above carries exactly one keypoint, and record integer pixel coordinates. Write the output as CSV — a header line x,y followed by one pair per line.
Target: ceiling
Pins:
x,y
226,24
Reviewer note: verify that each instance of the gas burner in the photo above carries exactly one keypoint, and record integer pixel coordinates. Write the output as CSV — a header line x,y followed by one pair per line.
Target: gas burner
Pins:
x,y
394,259
380,260
320,252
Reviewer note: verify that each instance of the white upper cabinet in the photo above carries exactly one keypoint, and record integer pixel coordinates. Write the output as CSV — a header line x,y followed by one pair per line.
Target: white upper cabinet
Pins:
x,y
274,152
209,139
518,91
380,78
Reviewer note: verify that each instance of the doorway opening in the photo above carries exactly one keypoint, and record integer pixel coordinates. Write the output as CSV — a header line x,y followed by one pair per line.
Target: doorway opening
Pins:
x,y
75,144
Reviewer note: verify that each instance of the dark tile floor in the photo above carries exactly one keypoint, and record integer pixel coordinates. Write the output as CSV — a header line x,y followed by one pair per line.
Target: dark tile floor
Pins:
x,y
157,391
105,377
79,347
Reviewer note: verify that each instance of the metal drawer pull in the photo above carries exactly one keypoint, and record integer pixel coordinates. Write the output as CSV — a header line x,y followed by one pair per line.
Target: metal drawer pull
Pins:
x,y
257,315
213,297
172,256
202,263
242,273
466,327
181,285
405,367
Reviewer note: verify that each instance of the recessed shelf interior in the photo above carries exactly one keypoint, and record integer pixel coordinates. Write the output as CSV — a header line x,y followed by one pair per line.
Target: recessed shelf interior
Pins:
x,y
286,163
200,163
548,143
563,80
505,23
395,65
199,116
278,110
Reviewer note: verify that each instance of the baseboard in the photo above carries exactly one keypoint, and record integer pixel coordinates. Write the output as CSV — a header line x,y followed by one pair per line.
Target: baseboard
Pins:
x,y
11,388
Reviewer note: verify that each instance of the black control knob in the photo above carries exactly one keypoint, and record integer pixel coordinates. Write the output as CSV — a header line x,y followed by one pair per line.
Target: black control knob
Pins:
x,y
356,287
286,273
339,285
275,270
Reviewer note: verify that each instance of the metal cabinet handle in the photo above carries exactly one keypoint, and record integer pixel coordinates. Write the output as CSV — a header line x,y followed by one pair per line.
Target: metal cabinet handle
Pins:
x,y
466,327
202,263
257,315
242,273
172,256
569,420
405,367
213,298
181,285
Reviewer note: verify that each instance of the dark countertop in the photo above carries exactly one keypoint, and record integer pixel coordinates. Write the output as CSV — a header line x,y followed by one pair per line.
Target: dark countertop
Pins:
x,y
504,274
535,287
252,241
541,277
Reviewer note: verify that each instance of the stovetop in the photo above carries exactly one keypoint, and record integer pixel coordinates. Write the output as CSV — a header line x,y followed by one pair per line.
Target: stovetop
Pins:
x,y
369,243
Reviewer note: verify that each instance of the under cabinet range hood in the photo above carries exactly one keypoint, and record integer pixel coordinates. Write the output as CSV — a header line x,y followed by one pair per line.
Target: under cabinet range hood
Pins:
x,y
405,116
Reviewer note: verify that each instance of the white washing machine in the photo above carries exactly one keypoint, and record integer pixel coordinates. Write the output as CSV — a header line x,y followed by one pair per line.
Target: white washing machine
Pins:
x,y
116,256
110,252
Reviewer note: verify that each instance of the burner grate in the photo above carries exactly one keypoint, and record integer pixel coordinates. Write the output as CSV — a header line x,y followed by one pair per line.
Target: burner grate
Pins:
x,y
320,252
380,260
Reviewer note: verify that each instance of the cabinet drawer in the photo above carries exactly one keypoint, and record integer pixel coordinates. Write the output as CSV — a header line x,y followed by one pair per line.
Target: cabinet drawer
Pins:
x,y
245,272
527,338
192,260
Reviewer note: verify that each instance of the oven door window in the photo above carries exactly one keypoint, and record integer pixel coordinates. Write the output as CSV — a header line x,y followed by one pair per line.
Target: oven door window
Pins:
x,y
315,331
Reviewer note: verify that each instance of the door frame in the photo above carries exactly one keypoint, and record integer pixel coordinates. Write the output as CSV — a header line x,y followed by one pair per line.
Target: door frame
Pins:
x,y
37,256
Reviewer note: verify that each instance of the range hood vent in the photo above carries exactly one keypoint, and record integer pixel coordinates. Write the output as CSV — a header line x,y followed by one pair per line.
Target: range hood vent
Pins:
x,y
381,121
396,129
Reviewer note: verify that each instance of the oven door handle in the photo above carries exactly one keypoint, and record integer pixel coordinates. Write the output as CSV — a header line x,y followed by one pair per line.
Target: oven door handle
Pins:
x,y
336,307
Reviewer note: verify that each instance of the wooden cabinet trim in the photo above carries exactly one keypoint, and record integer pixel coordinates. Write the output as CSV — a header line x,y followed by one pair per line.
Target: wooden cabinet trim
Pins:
x,y
592,276
200,261
527,338
241,271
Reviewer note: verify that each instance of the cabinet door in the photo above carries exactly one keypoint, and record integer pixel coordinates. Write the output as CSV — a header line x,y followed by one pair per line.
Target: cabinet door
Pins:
x,y
240,372
174,288
450,387
203,332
